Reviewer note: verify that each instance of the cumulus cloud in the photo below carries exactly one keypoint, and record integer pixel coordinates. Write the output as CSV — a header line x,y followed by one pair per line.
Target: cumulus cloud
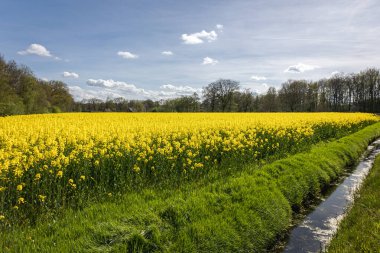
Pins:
x,y
258,78
300,68
127,55
80,93
103,89
167,53
116,85
179,90
209,61
219,27
37,49
199,37
70,74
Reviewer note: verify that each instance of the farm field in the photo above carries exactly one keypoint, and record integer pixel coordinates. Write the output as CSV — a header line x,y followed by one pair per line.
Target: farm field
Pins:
x,y
126,170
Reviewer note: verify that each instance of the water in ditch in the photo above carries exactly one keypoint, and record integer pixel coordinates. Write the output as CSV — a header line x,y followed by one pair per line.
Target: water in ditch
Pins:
x,y
315,232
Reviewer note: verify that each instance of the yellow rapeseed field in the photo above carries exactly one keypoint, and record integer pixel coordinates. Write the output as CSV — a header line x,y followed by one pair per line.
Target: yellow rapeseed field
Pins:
x,y
45,160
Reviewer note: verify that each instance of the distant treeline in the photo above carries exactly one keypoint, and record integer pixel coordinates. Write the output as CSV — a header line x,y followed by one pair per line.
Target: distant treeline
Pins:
x,y
341,93
22,93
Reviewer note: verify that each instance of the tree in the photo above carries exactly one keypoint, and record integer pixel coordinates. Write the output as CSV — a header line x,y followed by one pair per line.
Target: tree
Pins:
x,y
311,98
182,104
293,95
269,101
245,101
10,102
22,92
59,96
219,95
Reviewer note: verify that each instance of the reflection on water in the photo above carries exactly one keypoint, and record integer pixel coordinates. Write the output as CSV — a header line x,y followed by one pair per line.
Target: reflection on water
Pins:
x,y
315,232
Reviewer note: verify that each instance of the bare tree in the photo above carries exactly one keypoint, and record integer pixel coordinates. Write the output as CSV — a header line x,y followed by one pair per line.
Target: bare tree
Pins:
x,y
219,95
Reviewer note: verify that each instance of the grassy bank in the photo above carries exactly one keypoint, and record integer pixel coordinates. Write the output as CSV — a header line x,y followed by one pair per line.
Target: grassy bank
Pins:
x,y
246,213
360,229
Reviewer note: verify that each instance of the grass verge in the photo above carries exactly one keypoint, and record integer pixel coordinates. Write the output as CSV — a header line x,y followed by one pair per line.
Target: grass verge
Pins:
x,y
360,229
247,213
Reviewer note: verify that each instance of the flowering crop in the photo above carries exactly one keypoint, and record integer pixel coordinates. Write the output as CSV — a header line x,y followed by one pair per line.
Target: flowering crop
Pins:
x,y
46,160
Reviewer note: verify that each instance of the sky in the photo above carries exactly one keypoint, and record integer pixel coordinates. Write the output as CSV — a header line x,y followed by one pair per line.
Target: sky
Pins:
x,y
150,49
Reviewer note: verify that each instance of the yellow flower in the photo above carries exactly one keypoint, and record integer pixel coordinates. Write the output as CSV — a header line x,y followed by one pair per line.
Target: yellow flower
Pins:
x,y
136,168
2,217
42,198
21,200
15,207
60,173
37,177
160,141
71,183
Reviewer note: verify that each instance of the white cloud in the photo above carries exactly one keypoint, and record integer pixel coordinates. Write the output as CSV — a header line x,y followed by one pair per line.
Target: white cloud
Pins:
x,y
80,93
300,68
103,89
45,79
209,61
199,37
334,73
167,53
116,85
70,74
219,27
185,90
127,55
259,88
259,78
36,49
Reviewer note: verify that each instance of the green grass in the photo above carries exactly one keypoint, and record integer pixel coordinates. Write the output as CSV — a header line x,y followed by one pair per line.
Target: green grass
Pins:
x,y
246,212
360,229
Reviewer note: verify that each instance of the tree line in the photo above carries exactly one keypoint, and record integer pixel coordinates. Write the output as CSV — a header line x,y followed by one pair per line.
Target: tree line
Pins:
x,y
339,93
23,93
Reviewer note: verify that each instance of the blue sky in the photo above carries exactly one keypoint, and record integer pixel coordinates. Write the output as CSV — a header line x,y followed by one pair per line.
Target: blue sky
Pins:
x,y
162,49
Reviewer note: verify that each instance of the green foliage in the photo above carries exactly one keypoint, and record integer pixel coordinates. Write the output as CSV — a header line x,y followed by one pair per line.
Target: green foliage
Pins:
x,y
55,109
182,104
23,93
